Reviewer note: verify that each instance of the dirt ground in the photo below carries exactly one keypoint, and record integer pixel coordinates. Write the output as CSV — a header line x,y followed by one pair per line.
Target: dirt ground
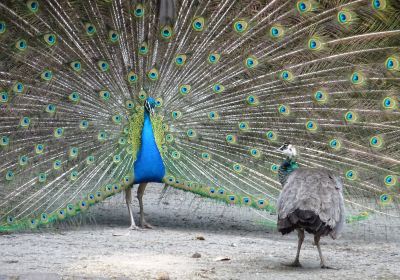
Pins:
x,y
237,245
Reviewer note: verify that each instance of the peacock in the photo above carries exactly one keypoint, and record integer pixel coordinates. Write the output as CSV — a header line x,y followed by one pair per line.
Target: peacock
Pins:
x,y
98,96
311,200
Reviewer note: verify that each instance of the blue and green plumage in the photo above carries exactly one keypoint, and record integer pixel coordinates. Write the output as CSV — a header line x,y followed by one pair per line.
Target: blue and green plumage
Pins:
x,y
285,169
232,80
148,166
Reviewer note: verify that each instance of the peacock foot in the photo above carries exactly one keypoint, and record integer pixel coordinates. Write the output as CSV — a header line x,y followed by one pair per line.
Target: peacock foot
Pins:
x,y
133,228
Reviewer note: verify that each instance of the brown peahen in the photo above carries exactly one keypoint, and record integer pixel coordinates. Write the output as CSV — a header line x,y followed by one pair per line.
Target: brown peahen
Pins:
x,y
311,200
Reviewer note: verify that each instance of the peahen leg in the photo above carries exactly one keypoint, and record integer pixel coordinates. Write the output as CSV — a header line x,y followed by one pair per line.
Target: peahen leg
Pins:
x,y
140,193
128,197
316,241
296,262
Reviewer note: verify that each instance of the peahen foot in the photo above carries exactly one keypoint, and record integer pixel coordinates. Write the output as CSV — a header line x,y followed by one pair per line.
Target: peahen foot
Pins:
x,y
145,225
296,263
328,267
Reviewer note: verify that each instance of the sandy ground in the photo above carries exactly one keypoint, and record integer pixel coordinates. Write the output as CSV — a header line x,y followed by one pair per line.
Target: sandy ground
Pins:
x,y
88,249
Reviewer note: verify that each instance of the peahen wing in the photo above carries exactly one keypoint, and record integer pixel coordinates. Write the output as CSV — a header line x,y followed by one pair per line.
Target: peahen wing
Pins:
x,y
313,190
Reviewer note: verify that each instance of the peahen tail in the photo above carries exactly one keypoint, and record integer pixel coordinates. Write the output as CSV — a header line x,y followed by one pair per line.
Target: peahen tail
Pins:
x,y
232,80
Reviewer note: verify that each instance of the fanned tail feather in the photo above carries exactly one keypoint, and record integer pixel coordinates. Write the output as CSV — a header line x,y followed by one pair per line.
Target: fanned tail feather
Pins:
x,y
232,80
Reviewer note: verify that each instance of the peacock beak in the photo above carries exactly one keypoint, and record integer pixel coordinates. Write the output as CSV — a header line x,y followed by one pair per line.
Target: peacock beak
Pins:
x,y
152,112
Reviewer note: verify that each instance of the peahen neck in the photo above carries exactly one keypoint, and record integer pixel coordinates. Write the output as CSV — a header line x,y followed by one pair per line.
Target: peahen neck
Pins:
x,y
149,166
286,168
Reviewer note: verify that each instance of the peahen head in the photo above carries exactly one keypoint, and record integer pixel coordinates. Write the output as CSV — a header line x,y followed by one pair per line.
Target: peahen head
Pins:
x,y
289,150
149,105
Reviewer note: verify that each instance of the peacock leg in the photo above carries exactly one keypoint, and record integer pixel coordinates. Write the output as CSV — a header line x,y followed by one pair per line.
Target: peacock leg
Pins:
x,y
128,197
300,233
140,193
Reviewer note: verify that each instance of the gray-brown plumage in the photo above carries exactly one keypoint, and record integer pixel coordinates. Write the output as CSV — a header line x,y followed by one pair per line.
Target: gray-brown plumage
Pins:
x,y
312,201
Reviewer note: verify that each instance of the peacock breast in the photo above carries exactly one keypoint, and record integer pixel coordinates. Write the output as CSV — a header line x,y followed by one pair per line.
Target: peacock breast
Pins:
x,y
148,166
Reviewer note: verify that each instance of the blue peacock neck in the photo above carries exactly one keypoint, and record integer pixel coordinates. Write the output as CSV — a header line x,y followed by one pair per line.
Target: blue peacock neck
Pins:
x,y
286,168
149,166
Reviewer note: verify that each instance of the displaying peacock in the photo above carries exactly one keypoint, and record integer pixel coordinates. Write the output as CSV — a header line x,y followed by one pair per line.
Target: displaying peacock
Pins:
x,y
99,95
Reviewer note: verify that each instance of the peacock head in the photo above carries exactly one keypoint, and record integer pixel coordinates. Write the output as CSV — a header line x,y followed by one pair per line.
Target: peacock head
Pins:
x,y
149,105
288,150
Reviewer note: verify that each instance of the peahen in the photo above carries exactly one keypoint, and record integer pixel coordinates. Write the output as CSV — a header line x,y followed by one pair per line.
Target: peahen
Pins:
x,y
311,200
99,95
